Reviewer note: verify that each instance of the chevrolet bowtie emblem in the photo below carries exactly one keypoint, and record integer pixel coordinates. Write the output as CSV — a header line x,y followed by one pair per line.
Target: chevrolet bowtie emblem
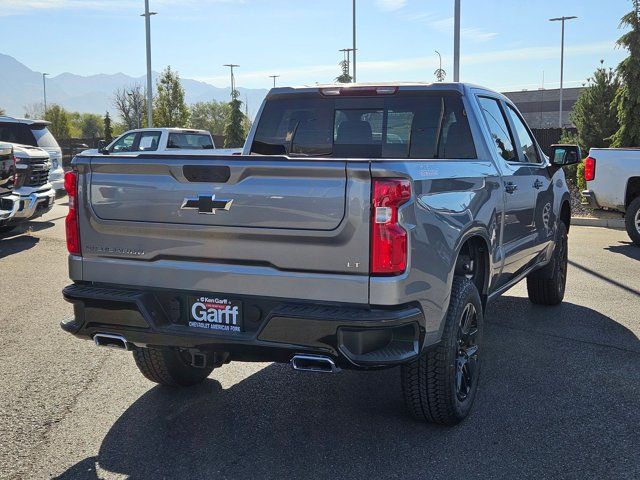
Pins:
x,y
205,204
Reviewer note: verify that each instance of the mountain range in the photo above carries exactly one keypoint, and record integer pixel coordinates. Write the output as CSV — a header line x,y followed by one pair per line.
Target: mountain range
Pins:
x,y
21,87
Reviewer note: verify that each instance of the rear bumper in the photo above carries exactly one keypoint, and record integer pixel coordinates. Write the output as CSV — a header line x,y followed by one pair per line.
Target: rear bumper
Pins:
x,y
274,330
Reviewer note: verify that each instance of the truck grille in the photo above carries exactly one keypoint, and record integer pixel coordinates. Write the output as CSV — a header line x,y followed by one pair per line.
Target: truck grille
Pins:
x,y
38,174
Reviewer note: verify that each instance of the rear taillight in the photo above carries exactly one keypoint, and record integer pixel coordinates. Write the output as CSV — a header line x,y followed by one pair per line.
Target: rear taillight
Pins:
x,y
388,238
71,222
589,169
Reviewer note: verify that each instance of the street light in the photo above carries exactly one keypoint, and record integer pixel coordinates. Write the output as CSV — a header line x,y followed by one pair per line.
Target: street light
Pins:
x,y
44,90
456,42
440,73
561,19
233,80
354,41
147,23
274,79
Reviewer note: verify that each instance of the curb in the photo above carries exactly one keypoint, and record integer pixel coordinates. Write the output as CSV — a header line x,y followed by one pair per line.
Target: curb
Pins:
x,y
616,223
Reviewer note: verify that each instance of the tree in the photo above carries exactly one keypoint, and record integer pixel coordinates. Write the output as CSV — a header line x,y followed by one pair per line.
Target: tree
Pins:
x,y
234,130
91,125
34,110
593,114
169,108
2,112
108,131
60,124
131,105
627,100
211,116
344,77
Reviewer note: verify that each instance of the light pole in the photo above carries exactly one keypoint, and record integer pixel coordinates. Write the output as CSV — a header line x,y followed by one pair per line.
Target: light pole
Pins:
x,y
233,80
440,73
561,19
147,23
44,90
354,41
456,42
274,79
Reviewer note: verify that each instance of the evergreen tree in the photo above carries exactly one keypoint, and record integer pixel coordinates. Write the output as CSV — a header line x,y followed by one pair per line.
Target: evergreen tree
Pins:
x,y
234,130
170,109
108,130
594,115
627,101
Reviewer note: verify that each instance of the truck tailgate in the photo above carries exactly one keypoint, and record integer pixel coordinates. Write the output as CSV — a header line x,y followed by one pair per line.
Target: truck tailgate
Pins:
x,y
253,214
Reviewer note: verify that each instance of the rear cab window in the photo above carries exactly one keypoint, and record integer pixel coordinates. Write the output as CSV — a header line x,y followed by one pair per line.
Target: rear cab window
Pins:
x,y
190,141
422,125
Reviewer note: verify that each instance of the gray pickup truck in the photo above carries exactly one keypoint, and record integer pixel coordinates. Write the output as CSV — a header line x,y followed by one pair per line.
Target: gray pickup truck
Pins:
x,y
363,227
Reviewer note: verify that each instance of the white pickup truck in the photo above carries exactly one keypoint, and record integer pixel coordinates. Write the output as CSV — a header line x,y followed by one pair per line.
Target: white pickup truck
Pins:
x,y
613,183
164,140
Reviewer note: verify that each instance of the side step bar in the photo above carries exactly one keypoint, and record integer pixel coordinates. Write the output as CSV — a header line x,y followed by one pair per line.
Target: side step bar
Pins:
x,y
112,341
314,363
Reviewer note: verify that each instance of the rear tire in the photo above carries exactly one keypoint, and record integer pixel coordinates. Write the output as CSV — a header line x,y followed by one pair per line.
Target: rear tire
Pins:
x,y
169,366
547,285
632,221
441,385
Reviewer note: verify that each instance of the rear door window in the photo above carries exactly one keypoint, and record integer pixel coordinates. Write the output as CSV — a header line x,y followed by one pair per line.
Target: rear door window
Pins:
x,y
149,141
407,126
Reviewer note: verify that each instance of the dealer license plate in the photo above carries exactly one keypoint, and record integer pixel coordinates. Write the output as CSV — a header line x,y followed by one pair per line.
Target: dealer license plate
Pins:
x,y
212,312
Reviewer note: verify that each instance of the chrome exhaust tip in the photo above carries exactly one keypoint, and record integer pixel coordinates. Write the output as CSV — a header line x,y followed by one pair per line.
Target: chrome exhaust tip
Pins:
x,y
111,341
314,363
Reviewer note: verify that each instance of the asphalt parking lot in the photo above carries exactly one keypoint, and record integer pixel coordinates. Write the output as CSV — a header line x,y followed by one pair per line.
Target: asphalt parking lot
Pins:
x,y
559,394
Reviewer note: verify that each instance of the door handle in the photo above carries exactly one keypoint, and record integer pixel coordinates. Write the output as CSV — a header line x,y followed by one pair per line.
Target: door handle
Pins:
x,y
510,187
538,184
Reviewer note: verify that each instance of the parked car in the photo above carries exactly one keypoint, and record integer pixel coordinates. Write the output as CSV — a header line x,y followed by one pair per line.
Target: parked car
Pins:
x,y
364,227
613,183
33,194
8,199
35,133
164,140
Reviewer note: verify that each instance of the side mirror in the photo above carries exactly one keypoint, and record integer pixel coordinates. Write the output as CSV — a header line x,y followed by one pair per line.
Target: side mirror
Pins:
x,y
102,147
563,155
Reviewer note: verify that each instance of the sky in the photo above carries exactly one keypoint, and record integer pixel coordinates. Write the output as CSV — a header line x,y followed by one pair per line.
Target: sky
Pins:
x,y
506,44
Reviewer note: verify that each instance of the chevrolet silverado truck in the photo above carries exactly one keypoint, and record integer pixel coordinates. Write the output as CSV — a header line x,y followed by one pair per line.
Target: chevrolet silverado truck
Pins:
x,y
616,185
33,194
8,199
363,227
164,140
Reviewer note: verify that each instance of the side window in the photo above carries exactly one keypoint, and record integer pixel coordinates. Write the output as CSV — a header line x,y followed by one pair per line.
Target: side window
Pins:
x,y
498,128
527,143
149,141
124,143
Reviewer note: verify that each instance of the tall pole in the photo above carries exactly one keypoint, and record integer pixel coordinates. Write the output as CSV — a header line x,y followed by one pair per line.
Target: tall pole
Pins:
x,y
233,80
274,79
147,23
44,90
456,42
561,19
354,41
